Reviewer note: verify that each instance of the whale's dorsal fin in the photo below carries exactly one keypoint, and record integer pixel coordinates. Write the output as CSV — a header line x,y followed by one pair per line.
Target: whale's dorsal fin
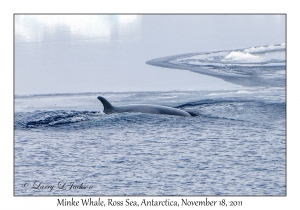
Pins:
x,y
107,106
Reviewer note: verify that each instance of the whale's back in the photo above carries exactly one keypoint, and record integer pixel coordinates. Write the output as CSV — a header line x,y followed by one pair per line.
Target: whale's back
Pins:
x,y
142,108
151,109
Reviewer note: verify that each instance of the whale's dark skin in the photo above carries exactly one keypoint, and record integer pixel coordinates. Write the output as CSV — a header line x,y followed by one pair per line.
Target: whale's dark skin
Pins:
x,y
142,108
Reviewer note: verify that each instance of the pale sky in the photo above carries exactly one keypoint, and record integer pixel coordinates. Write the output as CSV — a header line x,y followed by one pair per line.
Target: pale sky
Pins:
x,y
97,53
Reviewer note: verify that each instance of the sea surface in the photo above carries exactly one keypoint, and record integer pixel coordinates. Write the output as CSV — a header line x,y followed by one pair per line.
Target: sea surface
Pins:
x,y
236,145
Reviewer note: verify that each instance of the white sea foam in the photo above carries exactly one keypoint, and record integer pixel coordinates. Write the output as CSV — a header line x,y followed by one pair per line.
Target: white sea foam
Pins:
x,y
236,56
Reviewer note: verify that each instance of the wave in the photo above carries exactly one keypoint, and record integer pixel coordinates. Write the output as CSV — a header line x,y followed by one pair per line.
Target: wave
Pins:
x,y
209,102
52,118
220,108
230,100
237,108
256,66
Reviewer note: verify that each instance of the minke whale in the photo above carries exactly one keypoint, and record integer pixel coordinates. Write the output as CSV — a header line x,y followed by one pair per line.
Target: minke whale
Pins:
x,y
143,108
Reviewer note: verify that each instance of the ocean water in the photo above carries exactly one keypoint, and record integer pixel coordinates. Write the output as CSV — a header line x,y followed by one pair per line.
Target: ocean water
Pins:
x,y
236,145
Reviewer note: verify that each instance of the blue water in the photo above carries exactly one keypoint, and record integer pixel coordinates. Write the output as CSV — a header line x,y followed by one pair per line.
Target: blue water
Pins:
x,y
235,146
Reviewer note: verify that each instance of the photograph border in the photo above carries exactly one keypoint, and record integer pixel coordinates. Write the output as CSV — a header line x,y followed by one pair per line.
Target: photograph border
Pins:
x,y
207,196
